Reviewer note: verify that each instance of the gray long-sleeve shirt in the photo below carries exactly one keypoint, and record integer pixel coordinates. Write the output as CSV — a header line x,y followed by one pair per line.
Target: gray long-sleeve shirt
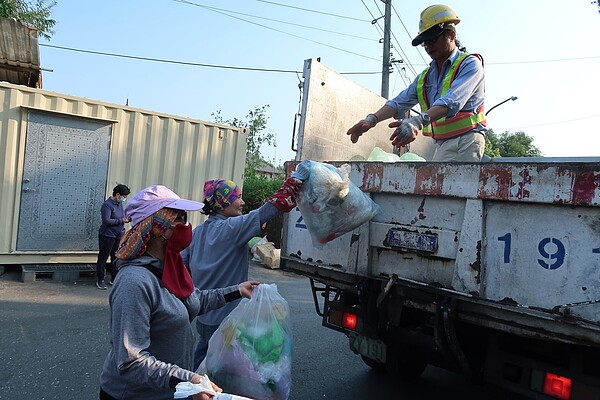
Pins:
x,y
150,332
218,254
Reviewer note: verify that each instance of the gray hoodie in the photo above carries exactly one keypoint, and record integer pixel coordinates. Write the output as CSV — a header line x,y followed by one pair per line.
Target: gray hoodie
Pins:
x,y
150,332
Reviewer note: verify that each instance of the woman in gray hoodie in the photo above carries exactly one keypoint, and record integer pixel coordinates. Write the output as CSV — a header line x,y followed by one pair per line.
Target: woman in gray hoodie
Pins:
x,y
153,302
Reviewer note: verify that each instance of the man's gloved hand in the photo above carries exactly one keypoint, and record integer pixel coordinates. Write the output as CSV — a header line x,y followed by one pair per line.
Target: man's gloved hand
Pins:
x,y
285,198
406,130
361,127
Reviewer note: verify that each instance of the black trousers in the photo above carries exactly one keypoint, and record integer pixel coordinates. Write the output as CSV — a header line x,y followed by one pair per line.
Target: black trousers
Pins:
x,y
107,246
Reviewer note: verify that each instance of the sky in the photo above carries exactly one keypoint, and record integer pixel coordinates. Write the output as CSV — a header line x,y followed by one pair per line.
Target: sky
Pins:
x,y
544,52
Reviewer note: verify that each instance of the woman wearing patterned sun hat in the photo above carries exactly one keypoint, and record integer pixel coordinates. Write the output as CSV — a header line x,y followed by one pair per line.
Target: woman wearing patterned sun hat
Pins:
x,y
218,255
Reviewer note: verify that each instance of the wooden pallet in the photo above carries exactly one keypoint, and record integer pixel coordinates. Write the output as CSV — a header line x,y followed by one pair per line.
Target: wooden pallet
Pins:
x,y
55,272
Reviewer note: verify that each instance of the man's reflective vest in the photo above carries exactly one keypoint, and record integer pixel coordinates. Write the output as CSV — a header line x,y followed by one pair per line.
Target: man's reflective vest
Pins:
x,y
463,121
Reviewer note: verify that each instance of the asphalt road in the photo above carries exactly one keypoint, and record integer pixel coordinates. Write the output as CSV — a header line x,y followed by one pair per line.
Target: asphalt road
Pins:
x,y
53,341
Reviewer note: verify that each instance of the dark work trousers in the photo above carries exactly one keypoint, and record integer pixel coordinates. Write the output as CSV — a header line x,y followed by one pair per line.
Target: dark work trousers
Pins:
x,y
107,247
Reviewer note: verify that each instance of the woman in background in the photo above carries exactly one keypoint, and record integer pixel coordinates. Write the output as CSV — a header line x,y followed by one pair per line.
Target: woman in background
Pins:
x,y
110,233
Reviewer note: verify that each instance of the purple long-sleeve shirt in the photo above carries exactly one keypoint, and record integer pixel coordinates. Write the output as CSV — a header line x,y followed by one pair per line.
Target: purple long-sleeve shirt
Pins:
x,y
112,219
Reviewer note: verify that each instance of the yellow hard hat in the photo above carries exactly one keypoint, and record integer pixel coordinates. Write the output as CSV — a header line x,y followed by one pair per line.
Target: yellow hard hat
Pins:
x,y
435,17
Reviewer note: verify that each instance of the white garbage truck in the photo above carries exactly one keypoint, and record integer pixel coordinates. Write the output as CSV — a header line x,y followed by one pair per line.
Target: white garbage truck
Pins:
x,y
489,269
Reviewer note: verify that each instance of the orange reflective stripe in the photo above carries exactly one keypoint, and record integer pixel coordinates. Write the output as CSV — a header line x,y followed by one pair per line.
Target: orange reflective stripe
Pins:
x,y
463,122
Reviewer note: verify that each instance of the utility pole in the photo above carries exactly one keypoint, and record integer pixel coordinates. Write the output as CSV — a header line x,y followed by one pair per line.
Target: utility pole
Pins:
x,y
385,70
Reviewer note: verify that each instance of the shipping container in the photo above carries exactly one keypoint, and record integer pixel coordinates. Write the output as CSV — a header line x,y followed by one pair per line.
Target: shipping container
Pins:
x,y
62,156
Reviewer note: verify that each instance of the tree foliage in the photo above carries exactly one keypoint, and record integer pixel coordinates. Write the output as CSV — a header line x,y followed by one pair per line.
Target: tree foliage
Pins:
x,y
257,188
255,124
509,144
256,191
35,13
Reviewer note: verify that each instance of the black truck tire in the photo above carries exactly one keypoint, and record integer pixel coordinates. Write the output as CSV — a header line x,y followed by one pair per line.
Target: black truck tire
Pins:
x,y
375,365
404,364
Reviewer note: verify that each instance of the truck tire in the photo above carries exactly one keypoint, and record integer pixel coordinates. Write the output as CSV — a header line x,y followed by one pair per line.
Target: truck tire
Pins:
x,y
406,368
403,364
376,366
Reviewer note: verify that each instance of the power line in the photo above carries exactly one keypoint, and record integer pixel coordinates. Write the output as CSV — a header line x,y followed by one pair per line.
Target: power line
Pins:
x,y
313,11
101,53
273,29
408,63
405,57
193,64
398,45
407,32
374,21
273,20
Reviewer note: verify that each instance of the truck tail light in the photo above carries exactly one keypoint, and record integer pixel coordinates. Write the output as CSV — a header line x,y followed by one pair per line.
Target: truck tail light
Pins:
x,y
349,321
557,386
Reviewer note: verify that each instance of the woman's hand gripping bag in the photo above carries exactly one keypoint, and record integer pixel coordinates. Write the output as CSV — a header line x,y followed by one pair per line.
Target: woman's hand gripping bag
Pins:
x,y
329,202
250,354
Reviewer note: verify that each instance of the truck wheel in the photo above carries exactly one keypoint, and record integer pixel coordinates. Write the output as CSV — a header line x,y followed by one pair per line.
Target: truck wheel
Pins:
x,y
375,365
406,368
403,364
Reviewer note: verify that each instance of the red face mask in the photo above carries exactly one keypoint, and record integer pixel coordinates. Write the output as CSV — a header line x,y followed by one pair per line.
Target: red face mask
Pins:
x,y
176,277
181,237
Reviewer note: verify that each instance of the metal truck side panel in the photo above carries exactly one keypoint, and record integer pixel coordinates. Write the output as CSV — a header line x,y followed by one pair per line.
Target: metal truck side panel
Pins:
x,y
332,104
549,248
515,233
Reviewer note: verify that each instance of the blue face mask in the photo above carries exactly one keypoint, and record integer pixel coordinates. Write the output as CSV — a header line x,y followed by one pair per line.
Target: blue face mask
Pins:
x,y
122,199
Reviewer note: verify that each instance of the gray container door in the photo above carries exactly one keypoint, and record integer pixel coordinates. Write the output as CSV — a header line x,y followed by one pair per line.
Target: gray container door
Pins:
x,y
64,181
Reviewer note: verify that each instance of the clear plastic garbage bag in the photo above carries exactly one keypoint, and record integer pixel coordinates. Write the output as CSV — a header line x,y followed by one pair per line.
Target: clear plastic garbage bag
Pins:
x,y
185,389
250,354
330,203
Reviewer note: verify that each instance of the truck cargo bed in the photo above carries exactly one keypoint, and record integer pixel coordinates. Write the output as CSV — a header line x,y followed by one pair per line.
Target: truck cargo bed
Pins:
x,y
517,242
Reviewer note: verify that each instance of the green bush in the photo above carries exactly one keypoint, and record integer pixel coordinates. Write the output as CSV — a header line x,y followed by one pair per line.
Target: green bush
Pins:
x,y
256,191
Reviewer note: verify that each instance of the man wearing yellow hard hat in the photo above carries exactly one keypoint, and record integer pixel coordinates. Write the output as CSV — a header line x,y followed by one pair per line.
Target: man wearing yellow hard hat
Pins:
x,y
450,92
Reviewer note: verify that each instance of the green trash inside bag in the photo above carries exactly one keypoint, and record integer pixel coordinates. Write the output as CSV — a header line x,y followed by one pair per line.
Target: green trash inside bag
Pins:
x,y
254,241
265,347
378,154
411,157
